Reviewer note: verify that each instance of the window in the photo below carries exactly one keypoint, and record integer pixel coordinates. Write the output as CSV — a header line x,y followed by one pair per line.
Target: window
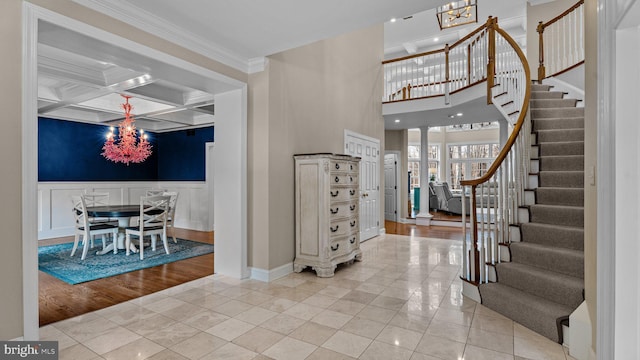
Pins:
x,y
414,163
469,161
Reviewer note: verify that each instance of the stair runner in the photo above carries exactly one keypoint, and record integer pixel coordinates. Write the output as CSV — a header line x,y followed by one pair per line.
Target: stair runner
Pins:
x,y
544,281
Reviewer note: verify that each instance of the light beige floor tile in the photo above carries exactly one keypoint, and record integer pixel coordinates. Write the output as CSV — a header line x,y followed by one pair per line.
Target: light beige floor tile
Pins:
x,y
230,329
472,352
419,356
183,311
383,351
359,297
278,304
334,291
258,339
347,343
167,354
313,333
449,331
440,347
347,307
84,331
234,292
318,300
371,288
172,334
205,320
454,316
232,308
390,303
332,319
326,354
364,327
283,324
146,326
199,345
256,315
303,311
210,301
255,298
536,349
230,352
51,333
192,294
493,324
396,336
400,293
117,309
410,322
289,281
77,352
490,340
290,349
293,294
140,349
377,314
311,286
130,315
164,304
111,340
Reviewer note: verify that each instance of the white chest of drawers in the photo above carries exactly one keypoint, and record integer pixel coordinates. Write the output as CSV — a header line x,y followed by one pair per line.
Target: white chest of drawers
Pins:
x,y
327,221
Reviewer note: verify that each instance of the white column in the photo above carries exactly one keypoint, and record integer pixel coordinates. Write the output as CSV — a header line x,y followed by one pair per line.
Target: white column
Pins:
x,y
504,132
424,217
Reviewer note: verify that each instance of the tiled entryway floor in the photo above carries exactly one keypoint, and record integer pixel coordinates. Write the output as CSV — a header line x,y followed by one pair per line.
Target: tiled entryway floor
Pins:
x,y
403,301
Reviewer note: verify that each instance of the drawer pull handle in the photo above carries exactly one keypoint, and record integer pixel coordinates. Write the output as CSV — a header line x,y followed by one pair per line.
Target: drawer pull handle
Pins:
x,y
353,223
337,179
351,178
334,211
335,248
334,230
352,192
352,240
336,194
337,166
350,167
352,207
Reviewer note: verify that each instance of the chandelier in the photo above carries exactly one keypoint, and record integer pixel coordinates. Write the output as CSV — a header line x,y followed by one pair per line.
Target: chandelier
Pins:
x,y
457,13
126,146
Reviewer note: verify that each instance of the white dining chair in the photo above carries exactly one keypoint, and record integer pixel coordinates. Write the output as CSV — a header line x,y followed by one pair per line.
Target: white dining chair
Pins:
x,y
97,199
172,212
153,222
155,192
87,230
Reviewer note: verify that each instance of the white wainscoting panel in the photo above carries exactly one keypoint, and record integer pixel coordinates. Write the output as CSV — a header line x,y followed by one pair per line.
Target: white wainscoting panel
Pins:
x,y
55,218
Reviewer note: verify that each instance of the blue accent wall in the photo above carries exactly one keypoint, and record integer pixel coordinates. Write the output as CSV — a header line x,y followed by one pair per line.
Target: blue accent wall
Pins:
x,y
70,151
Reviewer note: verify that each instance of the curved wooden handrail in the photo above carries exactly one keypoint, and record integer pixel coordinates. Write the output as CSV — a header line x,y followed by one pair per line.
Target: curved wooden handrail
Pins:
x,y
543,25
516,129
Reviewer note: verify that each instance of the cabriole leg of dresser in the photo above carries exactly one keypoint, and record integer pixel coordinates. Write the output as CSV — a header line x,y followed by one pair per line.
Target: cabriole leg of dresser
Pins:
x,y
324,271
298,267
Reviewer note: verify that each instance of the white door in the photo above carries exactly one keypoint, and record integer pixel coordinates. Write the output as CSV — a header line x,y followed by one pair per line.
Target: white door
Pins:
x,y
390,187
368,149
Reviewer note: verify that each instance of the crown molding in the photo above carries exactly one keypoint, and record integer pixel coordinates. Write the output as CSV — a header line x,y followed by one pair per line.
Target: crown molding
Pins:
x,y
257,64
157,26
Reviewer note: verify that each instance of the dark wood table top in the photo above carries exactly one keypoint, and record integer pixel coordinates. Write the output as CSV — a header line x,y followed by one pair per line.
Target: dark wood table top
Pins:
x,y
114,211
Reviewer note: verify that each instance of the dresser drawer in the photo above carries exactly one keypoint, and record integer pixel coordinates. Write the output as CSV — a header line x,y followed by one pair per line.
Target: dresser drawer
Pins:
x,y
342,210
342,227
343,166
344,179
343,194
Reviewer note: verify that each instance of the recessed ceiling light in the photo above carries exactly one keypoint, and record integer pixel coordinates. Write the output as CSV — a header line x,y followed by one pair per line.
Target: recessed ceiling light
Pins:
x,y
393,20
436,39
459,114
397,120
451,116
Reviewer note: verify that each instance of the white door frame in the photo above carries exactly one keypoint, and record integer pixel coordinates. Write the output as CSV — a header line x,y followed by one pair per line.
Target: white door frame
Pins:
x,y
398,156
209,176
234,124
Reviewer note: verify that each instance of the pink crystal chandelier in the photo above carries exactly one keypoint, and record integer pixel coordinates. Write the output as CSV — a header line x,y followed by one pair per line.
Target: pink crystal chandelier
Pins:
x,y
126,146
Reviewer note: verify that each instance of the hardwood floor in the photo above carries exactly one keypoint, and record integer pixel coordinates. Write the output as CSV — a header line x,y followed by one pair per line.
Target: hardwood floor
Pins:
x,y
59,300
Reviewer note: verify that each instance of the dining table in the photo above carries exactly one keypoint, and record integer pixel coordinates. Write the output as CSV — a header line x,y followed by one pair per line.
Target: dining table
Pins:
x,y
123,213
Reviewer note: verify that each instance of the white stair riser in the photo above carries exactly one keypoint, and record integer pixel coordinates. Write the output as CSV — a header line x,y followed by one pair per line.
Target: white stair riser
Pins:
x,y
534,165
535,152
529,197
533,182
514,234
491,273
523,215
505,254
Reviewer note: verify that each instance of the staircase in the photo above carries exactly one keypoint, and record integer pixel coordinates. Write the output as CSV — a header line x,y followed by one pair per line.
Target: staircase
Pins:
x,y
543,281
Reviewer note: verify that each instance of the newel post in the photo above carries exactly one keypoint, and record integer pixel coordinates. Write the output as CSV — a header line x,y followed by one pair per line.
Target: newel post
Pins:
x,y
491,63
541,70
446,74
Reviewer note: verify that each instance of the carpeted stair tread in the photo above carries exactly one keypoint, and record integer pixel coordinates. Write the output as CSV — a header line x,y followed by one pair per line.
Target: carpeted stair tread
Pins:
x,y
552,103
535,313
567,237
560,196
562,163
547,94
570,179
561,148
574,122
560,135
557,215
561,260
560,288
550,113
541,87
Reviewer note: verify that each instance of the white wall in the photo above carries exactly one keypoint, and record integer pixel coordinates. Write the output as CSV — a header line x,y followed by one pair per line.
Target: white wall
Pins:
x,y
54,202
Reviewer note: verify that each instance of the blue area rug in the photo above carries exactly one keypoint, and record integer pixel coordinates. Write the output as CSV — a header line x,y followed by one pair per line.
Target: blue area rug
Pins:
x,y
55,260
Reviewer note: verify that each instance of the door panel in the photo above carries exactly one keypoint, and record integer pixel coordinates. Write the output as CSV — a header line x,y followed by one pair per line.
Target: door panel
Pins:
x,y
390,186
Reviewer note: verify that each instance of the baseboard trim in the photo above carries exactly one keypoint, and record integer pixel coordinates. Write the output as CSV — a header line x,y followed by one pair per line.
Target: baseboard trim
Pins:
x,y
273,274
